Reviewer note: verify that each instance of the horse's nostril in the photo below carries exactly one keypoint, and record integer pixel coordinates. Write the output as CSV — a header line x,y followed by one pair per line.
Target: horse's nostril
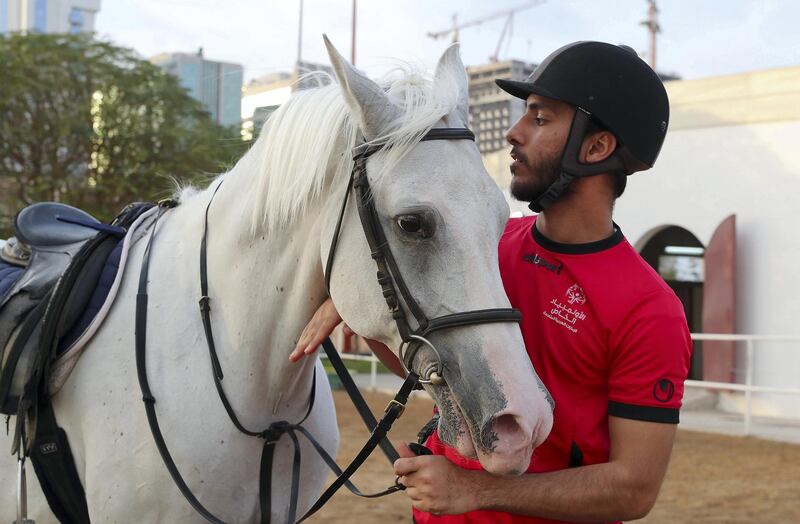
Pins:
x,y
504,428
506,425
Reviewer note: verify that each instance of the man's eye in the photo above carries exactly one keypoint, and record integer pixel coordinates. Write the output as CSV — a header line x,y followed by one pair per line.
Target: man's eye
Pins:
x,y
539,121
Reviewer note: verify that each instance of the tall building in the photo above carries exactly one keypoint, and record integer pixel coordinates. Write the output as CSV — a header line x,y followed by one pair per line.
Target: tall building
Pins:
x,y
48,16
218,85
492,110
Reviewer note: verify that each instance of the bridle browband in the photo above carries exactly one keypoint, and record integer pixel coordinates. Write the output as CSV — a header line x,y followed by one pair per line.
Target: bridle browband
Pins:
x,y
391,282
389,275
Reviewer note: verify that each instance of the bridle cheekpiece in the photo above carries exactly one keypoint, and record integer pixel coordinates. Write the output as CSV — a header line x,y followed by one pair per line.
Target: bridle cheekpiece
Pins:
x,y
393,286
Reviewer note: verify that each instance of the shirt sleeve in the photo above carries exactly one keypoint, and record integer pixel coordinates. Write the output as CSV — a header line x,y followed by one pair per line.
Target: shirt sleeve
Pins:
x,y
650,356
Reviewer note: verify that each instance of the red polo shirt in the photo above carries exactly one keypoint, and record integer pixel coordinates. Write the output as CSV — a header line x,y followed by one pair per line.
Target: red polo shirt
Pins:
x,y
607,336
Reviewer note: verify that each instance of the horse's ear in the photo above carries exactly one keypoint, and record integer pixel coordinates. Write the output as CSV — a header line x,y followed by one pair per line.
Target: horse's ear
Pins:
x,y
451,74
369,104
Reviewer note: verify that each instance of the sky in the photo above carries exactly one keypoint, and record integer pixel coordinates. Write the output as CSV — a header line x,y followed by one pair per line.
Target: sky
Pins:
x,y
699,38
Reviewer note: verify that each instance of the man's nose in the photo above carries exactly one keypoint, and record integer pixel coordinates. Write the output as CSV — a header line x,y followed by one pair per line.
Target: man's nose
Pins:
x,y
513,136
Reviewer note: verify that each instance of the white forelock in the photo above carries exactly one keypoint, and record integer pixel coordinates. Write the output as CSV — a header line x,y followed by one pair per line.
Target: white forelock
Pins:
x,y
305,147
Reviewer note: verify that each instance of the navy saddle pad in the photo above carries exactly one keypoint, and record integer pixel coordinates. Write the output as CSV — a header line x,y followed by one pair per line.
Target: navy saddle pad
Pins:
x,y
10,273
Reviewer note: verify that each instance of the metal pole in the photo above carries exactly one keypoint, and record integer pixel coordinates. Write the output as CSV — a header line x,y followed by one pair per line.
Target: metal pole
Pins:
x,y
652,26
748,394
653,33
22,493
373,372
300,36
23,17
353,43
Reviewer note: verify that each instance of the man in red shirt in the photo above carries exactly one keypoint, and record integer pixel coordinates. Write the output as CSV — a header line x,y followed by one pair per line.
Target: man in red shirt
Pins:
x,y
605,334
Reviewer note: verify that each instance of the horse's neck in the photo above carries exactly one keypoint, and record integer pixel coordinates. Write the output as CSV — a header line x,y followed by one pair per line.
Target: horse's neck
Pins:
x,y
263,290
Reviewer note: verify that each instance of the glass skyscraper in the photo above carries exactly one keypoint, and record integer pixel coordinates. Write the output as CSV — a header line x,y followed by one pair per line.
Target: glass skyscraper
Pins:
x,y
48,16
218,85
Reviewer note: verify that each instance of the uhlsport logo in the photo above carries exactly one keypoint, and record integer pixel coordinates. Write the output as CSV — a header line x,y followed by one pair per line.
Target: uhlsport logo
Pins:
x,y
539,261
663,390
575,294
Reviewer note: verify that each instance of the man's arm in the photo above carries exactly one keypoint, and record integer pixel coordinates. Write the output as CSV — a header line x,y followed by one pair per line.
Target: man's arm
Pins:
x,y
625,488
387,357
325,319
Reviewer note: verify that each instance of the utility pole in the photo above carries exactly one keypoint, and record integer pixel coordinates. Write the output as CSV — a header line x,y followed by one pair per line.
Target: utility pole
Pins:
x,y
353,43
300,36
653,28
454,31
23,17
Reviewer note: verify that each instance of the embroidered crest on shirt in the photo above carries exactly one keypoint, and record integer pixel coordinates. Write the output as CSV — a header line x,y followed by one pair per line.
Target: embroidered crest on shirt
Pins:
x,y
575,294
569,314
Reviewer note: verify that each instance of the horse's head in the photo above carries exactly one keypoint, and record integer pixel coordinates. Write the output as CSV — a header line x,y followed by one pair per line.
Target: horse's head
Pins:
x,y
442,216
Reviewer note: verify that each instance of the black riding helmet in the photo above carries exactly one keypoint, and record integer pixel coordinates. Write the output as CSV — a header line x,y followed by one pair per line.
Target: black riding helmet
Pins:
x,y
611,85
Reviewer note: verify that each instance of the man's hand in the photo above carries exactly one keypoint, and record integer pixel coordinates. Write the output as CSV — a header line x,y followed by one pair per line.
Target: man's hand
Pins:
x,y
321,325
436,485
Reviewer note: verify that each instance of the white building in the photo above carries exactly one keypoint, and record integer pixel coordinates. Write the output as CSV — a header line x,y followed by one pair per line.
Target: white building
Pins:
x,y
717,216
48,16
266,93
262,96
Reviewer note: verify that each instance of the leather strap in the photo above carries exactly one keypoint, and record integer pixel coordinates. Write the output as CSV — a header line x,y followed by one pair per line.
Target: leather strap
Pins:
x,y
335,239
357,398
448,133
478,316
141,370
392,413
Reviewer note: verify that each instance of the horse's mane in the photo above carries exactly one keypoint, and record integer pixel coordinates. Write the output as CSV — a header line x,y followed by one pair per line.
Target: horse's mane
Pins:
x,y
306,145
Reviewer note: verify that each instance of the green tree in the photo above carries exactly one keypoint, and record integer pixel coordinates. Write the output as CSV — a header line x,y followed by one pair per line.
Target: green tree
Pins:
x,y
90,124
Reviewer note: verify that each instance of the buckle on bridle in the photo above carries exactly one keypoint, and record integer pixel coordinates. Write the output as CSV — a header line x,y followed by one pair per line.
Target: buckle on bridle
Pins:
x,y
395,402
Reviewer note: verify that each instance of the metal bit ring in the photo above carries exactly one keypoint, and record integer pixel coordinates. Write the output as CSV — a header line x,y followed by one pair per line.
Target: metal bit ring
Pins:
x,y
435,377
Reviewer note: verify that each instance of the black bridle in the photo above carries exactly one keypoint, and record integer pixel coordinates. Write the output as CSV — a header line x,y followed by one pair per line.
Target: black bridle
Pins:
x,y
391,282
389,276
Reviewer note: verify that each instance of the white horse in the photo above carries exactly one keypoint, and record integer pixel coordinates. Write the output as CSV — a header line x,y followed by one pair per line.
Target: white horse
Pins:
x,y
270,228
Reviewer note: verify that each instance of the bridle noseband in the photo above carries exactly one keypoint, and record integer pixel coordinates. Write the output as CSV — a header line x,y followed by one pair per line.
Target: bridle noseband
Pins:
x,y
389,276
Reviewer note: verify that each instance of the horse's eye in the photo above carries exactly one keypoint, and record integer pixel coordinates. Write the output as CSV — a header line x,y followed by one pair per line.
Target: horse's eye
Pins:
x,y
410,223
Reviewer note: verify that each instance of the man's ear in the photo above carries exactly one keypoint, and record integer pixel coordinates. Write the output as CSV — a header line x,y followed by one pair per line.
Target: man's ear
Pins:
x,y
598,146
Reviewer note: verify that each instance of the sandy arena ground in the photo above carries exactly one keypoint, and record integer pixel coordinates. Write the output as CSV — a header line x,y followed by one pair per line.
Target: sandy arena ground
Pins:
x,y
712,478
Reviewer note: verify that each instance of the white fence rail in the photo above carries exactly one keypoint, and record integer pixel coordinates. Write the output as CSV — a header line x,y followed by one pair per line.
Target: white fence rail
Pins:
x,y
748,387
373,367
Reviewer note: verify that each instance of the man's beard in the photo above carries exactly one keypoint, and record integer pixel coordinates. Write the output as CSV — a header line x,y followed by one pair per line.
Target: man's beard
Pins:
x,y
529,185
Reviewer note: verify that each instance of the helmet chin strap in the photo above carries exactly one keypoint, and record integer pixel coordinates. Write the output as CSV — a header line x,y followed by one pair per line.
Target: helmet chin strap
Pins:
x,y
571,166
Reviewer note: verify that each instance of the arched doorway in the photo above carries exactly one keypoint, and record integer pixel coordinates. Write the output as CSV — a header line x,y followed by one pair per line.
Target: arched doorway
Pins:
x,y
678,256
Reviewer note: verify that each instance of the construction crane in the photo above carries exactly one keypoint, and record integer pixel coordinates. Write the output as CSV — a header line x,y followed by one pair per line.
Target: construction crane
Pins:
x,y
508,13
